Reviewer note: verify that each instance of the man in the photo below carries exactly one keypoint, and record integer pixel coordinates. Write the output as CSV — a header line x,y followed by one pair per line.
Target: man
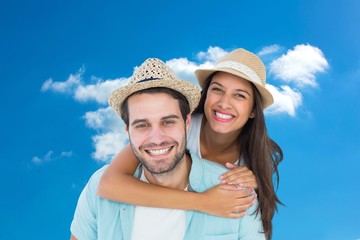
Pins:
x,y
156,107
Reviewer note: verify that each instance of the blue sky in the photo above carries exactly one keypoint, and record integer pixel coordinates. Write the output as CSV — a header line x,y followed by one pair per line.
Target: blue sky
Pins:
x,y
59,60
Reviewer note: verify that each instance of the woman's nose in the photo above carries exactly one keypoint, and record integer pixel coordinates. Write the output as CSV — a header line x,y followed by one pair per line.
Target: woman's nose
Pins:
x,y
224,102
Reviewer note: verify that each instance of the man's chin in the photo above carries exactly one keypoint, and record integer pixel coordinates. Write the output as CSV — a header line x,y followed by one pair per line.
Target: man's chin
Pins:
x,y
159,169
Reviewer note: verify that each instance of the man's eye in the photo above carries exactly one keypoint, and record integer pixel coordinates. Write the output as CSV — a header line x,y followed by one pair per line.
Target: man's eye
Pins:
x,y
142,125
168,122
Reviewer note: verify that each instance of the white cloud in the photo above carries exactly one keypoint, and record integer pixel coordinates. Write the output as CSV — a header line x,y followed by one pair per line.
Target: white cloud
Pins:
x,y
183,68
50,157
269,50
104,119
108,144
211,55
112,137
300,65
286,100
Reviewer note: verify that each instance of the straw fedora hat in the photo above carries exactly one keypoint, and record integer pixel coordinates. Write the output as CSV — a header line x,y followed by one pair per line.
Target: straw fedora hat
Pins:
x,y
154,73
244,64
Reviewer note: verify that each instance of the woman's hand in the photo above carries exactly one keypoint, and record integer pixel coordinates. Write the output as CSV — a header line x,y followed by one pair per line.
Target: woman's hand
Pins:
x,y
227,201
241,176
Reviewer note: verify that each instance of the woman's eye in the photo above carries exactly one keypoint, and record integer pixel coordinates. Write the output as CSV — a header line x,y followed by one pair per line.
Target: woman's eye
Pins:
x,y
215,89
238,95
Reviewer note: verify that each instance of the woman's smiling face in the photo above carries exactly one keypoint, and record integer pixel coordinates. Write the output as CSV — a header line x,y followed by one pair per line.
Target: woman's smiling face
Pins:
x,y
229,103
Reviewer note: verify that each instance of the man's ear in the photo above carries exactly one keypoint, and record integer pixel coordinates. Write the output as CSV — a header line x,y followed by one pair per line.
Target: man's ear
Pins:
x,y
126,129
188,122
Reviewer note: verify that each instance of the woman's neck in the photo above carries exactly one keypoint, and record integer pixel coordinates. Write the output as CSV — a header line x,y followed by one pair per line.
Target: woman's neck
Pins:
x,y
218,147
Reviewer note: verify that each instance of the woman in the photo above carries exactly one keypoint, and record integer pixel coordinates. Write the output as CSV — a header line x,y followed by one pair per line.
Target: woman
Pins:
x,y
233,132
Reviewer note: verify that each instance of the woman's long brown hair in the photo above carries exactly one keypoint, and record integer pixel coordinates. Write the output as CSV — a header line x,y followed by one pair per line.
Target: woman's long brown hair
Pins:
x,y
261,154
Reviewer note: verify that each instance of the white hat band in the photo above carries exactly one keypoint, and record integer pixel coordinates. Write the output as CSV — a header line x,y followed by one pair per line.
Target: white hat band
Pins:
x,y
240,68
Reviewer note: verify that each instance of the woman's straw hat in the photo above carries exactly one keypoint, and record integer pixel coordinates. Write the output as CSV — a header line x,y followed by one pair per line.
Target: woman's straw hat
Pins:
x,y
244,64
154,73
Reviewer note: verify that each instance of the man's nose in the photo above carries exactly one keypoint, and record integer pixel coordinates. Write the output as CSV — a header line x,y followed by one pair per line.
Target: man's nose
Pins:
x,y
156,135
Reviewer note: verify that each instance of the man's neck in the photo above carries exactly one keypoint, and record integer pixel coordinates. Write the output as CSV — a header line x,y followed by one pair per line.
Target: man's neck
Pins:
x,y
178,178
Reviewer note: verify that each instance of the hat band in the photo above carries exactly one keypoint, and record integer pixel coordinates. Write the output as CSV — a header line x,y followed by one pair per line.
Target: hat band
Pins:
x,y
148,79
240,68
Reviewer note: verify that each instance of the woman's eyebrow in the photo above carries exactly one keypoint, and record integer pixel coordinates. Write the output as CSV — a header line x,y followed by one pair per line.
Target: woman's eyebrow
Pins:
x,y
237,89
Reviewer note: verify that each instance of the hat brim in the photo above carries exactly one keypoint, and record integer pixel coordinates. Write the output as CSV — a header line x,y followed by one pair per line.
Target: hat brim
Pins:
x,y
203,74
190,91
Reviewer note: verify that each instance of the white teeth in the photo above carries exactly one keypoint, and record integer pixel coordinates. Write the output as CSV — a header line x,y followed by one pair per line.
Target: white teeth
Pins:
x,y
224,116
158,152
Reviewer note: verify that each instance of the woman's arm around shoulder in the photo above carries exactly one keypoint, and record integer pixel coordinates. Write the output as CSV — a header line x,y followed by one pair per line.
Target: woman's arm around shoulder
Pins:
x,y
118,184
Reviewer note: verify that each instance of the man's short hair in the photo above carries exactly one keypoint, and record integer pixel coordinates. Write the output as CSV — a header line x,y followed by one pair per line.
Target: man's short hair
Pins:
x,y
183,103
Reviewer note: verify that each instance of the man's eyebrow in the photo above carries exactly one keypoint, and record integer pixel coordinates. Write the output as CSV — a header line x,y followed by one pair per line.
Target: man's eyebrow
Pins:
x,y
170,116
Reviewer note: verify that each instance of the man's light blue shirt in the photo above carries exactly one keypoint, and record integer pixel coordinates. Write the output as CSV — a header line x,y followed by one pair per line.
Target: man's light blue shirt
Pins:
x,y
99,218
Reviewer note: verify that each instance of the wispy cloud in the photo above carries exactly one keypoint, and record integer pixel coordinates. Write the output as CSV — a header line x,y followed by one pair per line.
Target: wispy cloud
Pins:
x,y
296,69
49,156
74,85
73,81
269,50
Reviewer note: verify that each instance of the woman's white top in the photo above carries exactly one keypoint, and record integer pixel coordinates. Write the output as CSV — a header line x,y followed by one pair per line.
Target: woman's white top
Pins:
x,y
193,137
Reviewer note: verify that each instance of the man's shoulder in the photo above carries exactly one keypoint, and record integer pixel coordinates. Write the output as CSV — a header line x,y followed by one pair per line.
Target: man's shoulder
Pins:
x,y
94,180
200,164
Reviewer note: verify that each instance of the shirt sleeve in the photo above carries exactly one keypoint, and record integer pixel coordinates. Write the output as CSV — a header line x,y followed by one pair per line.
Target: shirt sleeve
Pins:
x,y
84,224
251,225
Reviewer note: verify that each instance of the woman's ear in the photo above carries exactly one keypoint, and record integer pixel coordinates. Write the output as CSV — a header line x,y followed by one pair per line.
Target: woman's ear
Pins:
x,y
253,114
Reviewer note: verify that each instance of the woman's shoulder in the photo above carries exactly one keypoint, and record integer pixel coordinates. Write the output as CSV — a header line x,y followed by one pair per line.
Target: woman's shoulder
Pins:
x,y
196,118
